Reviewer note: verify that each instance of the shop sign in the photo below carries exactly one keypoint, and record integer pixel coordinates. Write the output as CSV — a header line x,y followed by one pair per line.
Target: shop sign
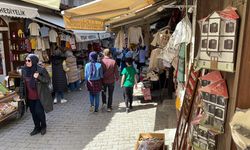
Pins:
x,y
105,35
17,11
89,37
83,24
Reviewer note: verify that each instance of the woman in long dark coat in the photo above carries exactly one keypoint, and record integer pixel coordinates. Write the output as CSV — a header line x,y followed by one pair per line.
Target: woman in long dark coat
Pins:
x,y
35,90
59,79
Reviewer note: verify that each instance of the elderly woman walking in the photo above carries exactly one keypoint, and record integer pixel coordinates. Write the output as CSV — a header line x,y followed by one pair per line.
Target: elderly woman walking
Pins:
x,y
93,77
34,89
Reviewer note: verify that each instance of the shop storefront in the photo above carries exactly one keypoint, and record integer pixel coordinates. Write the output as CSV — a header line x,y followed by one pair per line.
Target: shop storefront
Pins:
x,y
205,45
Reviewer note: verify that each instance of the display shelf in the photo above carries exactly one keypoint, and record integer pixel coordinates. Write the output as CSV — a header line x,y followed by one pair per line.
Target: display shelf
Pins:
x,y
8,97
14,112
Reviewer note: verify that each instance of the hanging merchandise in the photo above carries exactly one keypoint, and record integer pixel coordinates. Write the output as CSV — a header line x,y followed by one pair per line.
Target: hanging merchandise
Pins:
x,y
46,42
62,37
72,42
28,45
33,42
39,54
53,36
203,139
34,29
161,38
182,34
218,40
181,64
44,31
39,43
135,36
154,63
215,99
120,40
67,42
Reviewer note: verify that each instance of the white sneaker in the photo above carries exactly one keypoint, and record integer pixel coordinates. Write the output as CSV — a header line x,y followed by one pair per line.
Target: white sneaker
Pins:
x,y
91,109
104,106
55,101
63,101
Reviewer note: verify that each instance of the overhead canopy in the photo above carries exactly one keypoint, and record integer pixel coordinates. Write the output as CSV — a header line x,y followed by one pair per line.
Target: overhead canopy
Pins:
x,y
52,4
92,16
12,10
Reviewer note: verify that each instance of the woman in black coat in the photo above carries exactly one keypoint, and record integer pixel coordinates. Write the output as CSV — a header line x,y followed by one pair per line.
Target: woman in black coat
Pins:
x,y
35,90
59,79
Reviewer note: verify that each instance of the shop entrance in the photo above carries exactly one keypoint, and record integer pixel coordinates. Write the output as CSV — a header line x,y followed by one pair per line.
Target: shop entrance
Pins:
x,y
4,55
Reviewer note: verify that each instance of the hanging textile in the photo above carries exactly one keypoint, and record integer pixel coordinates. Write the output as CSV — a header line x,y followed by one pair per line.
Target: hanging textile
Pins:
x,y
120,40
134,35
182,34
181,64
161,38
154,61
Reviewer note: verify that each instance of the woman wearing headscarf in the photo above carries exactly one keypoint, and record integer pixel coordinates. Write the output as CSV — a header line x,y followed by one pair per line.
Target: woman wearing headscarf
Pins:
x,y
59,79
34,89
93,77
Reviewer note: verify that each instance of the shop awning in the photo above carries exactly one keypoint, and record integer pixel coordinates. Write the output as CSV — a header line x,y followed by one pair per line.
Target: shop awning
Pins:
x,y
92,16
12,10
52,4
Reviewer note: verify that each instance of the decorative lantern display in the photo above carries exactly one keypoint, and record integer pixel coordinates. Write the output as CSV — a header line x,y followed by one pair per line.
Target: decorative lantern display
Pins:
x,y
218,40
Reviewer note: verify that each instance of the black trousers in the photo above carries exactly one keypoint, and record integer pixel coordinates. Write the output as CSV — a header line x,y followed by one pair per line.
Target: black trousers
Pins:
x,y
128,96
38,114
110,88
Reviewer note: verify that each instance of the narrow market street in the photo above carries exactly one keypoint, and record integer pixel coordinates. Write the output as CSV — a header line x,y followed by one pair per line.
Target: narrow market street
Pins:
x,y
71,126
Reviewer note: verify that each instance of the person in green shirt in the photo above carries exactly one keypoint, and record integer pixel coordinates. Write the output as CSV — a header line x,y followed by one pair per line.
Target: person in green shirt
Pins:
x,y
129,79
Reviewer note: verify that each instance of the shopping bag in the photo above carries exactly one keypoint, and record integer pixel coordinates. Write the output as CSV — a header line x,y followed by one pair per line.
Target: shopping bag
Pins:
x,y
146,94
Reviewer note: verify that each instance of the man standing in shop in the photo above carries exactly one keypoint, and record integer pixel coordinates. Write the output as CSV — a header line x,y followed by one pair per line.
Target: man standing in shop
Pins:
x,y
110,75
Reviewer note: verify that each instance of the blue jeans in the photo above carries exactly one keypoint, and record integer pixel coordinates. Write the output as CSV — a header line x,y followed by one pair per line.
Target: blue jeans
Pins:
x,y
94,99
74,86
59,96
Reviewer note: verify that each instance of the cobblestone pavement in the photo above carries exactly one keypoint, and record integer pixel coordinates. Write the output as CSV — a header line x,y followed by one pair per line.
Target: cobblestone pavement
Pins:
x,y
72,127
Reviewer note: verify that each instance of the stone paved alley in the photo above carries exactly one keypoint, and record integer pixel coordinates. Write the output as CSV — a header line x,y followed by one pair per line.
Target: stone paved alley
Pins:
x,y
72,127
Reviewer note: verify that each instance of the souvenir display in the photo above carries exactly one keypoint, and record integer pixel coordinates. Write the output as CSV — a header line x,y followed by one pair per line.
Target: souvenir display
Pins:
x,y
215,97
218,40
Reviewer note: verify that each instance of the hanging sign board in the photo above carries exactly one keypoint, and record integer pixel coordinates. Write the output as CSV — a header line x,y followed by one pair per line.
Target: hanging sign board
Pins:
x,y
12,10
83,24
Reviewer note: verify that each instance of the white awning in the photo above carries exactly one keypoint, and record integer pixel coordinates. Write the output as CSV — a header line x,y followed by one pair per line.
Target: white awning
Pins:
x,y
13,10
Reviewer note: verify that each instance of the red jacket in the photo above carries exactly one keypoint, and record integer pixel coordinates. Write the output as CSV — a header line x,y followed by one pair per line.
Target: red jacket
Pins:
x,y
110,70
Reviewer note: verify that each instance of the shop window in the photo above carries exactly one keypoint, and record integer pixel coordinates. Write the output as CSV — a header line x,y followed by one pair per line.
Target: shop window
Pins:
x,y
213,98
205,28
228,44
212,44
204,43
230,27
221,101
214,27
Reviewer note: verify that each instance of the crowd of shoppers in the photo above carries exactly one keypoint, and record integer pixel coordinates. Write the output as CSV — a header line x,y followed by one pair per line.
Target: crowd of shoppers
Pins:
x,y
101,73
